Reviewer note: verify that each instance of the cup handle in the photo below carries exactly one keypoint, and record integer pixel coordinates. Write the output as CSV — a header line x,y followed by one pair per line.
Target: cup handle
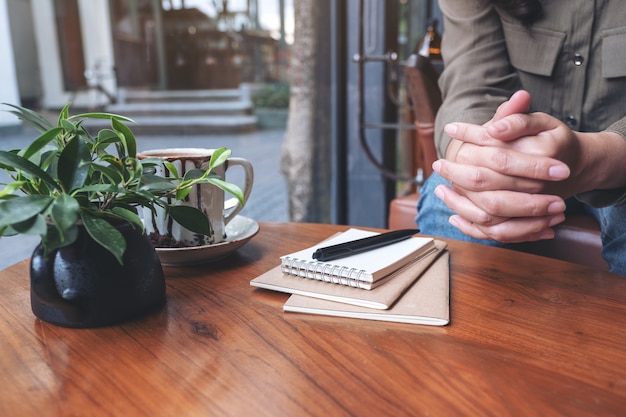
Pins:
x,y
232,205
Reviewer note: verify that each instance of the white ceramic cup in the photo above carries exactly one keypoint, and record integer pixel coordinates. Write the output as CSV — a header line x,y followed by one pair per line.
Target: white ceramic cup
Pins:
x,y
206,197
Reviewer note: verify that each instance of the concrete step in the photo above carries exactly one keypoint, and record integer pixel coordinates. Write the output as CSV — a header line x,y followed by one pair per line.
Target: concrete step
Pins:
x,y
182,108
185,111
133,96
184,125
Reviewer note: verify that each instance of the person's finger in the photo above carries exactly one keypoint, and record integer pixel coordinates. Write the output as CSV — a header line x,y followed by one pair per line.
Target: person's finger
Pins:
x,y
471,133
518,125
475,178
488,208
488,167
518,103
514,230
466,208
467,227
505,129
513,204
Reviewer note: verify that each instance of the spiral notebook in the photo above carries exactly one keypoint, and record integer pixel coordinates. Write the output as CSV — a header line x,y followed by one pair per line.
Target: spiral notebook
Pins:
x,y
381,297
427,301
365,270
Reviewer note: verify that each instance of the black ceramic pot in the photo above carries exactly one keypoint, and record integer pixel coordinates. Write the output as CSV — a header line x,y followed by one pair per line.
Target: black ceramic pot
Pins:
x,y
83,285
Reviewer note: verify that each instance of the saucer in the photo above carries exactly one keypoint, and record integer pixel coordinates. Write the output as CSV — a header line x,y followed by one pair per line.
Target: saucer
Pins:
x,y
238,231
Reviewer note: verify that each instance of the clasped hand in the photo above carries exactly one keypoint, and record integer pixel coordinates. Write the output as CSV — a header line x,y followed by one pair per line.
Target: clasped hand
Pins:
x,y
511,175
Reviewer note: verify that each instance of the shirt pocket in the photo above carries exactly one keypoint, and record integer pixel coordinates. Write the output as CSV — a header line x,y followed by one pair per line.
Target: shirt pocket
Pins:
x,y
614,53
532,50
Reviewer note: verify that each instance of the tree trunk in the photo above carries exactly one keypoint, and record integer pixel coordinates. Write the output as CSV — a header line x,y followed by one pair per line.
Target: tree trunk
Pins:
x,y
306,158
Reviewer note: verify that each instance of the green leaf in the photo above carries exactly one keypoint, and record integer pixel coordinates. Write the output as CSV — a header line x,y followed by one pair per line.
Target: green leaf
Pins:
x,y
36,225
128,215
64,213
107,135
172,169
105,138
136,199
101,115
40,142
218,157
156,184
11,159
48,162
151,162
182,193
73,166
113,175
67,125
98,188
104,234
191,218
32,118
194,174
228,187
64,114
20,209
127,137
114,162
12,188
7,231
52,240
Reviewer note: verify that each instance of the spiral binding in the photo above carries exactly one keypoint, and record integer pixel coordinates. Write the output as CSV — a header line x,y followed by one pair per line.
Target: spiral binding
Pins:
x,y
321,271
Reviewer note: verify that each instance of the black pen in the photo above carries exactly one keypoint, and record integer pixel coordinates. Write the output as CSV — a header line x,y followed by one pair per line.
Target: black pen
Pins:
x,y
343,250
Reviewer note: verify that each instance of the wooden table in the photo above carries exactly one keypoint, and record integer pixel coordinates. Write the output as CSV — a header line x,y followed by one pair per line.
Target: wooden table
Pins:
x,y
529,336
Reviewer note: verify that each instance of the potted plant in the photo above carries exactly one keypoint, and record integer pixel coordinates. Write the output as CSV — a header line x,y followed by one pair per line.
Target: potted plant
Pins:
x,y
271,105
80,192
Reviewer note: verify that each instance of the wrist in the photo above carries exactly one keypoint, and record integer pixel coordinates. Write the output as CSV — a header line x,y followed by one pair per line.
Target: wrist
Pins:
x,y
604,154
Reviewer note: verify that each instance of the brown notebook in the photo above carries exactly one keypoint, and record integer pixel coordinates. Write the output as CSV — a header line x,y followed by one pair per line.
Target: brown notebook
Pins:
x,y
381,297
427,301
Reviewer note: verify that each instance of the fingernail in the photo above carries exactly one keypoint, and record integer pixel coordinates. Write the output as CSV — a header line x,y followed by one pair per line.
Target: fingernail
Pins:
x,y
556,207
548,234
556,220
437,166
559,172
450,129
439,193
454,221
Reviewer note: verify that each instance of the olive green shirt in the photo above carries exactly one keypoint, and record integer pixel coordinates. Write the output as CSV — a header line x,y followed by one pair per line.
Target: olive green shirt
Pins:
x,y
572,61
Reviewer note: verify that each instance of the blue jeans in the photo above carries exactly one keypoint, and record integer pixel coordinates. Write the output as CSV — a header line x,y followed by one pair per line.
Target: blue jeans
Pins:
x,y
433,215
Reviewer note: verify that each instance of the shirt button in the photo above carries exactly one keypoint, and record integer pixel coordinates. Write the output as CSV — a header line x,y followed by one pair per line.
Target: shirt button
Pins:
x,y
571,120
578,60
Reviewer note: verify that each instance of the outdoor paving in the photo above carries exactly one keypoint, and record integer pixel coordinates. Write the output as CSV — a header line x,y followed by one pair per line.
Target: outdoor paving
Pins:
x,y
267,202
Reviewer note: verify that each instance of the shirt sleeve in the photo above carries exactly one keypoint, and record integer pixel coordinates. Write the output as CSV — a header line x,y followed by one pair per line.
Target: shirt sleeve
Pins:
x,y
618,127
477,74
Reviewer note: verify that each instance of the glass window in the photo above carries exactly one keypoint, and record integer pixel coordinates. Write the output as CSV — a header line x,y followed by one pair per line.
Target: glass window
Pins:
x,y
191,73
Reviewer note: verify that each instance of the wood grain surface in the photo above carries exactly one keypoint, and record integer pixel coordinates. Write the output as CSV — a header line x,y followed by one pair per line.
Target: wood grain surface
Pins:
x,y
529,336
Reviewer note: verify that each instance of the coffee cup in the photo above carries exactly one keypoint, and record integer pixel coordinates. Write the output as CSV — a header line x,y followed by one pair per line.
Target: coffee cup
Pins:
x,y
208,198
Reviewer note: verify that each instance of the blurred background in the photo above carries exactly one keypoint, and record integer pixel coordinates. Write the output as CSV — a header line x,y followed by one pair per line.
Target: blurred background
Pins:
x,y
311,91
